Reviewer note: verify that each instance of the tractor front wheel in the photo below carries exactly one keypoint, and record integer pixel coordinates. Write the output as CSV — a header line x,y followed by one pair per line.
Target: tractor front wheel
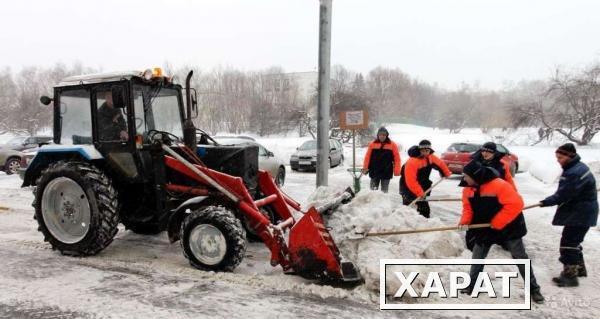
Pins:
x,y
213,238
76,208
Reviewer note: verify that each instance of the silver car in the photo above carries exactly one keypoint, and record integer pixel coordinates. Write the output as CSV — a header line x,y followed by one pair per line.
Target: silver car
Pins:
x,y
10,160
20,143
305,156
267,161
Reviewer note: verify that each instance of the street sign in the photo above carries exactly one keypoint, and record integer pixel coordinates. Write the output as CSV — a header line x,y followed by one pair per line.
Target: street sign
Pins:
x,y
354,120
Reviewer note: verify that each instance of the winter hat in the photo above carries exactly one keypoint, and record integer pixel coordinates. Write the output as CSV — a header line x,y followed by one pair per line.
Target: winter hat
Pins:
x,y
383,130
479,173
490,147
473,169
567,149
425,144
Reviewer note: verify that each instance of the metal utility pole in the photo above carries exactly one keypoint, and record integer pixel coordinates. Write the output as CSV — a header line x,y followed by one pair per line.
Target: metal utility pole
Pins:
x,y
323,104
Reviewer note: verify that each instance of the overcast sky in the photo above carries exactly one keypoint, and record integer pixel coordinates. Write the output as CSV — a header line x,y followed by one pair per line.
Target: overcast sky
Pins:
x,y
490,42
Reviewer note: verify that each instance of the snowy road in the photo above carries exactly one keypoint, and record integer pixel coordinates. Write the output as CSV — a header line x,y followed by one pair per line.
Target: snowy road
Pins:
x,y
145,276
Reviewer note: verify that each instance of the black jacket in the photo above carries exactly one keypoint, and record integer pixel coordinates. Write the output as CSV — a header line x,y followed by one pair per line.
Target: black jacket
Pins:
x,y
495,163
110,129
576,197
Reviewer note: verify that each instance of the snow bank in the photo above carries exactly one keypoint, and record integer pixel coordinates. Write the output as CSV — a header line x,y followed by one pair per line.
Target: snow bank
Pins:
x,y
375,211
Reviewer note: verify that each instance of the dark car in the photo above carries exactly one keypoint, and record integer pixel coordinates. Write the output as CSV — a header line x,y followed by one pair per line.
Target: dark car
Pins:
x,y
305,156
20,143
459,154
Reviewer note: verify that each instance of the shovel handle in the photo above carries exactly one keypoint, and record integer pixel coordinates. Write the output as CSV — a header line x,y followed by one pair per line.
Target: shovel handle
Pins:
x,y
532,206
441,200
420,198
425,230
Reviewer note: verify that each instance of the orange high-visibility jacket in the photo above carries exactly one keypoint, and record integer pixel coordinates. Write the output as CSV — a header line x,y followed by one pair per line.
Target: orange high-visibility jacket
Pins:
x,y
507,175
416,173
498,203
382,159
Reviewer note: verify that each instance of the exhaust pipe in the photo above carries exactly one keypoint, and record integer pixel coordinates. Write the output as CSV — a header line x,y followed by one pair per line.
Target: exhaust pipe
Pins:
x,y
189,130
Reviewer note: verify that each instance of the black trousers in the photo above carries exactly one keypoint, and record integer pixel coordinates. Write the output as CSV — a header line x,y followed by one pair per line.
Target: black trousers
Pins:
x,y
385,184
422,207
571,252
517,251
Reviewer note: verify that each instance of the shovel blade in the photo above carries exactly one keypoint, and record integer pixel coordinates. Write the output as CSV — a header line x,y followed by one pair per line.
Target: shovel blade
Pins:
x,y
314,254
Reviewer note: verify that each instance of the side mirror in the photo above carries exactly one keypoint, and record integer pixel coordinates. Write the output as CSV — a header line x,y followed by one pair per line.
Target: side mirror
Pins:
x,y
118,96
45,100
270,154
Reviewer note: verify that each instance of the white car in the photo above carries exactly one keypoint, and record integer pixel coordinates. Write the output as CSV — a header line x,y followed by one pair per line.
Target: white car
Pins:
x,y
267,161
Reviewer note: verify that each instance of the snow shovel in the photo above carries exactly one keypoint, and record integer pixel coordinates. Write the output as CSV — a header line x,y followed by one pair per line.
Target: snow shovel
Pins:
x,y
422,230
412,204
532,206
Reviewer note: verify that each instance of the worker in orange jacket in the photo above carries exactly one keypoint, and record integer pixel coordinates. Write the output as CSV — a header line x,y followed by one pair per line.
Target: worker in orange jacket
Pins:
x,y
488,155
382,160
489,199
414,180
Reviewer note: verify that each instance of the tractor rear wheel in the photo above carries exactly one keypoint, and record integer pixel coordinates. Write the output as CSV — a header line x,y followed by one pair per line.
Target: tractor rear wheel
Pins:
x,y
77,208
213,238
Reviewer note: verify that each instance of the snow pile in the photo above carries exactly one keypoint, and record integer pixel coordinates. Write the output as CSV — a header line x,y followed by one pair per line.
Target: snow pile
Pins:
x,y
375,211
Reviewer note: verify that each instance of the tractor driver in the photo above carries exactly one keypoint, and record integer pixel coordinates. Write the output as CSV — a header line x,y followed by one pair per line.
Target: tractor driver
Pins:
x,y
111,122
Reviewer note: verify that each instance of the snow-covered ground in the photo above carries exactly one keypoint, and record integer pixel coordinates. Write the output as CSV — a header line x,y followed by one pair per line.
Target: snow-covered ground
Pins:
x,y
145,276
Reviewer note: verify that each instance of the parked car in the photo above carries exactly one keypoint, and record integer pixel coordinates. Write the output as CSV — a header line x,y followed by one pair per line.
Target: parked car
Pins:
x,y
20,143
267,161
459,154
10,160
305,156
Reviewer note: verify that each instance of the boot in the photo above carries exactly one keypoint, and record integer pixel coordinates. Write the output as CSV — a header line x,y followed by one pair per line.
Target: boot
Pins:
x,y
581,270
536,296
568,277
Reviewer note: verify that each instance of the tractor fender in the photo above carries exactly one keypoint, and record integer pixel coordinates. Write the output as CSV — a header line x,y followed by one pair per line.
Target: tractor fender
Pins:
x,y
179,214
49,154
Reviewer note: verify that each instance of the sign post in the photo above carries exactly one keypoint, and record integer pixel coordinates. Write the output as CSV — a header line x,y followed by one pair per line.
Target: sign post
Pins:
x,y
354,120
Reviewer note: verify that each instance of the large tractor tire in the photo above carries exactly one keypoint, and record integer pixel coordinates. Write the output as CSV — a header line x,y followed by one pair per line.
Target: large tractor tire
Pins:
x,y
213,238
77,208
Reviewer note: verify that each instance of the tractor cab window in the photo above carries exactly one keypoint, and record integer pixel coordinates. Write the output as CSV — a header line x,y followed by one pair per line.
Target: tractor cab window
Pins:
x,y
112,122
75,117
158,109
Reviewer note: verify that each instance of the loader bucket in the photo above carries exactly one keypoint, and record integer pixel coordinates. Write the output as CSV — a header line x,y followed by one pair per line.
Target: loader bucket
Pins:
x,y
314,255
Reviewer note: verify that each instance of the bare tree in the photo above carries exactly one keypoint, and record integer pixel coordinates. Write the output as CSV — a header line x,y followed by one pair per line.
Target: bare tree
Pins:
x,y
570,106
